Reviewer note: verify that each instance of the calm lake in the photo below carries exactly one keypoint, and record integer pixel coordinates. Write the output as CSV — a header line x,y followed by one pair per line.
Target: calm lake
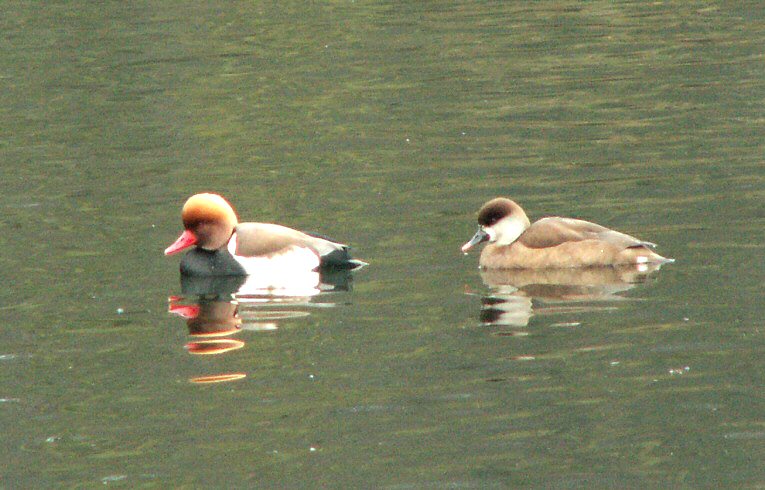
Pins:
x,y
384,125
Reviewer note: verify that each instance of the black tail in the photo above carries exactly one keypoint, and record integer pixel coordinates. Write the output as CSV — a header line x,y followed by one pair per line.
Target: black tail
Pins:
x,y
338,256
341,259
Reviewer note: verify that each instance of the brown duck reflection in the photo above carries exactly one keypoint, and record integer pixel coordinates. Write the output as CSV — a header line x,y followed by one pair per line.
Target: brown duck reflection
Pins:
x,y
209,317
206,318
518,294
217,308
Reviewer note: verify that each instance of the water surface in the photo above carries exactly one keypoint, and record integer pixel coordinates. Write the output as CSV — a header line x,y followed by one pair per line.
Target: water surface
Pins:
x,y
385,126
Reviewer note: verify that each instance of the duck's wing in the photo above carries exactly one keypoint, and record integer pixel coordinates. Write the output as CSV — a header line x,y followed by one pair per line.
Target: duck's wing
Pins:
x,y
267,239
554,231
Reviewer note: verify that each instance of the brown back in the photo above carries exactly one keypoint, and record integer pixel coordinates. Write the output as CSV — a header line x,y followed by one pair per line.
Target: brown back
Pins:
x,y
266,239
554,231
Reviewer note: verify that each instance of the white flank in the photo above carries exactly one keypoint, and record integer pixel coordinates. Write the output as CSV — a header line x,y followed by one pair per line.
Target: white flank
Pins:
x,y
292,272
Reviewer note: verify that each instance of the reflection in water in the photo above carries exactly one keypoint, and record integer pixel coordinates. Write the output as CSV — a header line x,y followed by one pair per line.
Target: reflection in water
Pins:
x,y
518,294
218,346
219,378
216,307
209,317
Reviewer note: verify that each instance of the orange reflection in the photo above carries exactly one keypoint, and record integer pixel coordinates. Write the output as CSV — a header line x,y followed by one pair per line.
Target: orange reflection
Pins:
x,y
218,378
211,347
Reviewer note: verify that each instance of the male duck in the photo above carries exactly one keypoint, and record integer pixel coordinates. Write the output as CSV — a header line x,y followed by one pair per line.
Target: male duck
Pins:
x,y
226,247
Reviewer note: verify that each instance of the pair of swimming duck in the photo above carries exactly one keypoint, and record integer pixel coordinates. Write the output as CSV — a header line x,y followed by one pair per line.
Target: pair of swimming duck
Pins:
x,y
223,246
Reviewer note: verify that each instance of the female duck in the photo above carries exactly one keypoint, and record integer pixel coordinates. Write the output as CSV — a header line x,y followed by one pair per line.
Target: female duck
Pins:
x,y
515,243
226,247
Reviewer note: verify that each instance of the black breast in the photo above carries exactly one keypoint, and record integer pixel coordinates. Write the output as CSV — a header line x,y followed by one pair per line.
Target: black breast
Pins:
x,y
199,262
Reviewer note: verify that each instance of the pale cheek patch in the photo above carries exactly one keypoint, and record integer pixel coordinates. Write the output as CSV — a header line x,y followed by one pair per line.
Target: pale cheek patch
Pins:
x,y
506,231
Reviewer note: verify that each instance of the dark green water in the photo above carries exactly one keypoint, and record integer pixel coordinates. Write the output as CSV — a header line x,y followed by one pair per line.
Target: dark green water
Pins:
x,y
384,125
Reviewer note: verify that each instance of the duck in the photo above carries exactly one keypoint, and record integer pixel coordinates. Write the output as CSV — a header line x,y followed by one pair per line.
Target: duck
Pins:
x,y
552,242
225,247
